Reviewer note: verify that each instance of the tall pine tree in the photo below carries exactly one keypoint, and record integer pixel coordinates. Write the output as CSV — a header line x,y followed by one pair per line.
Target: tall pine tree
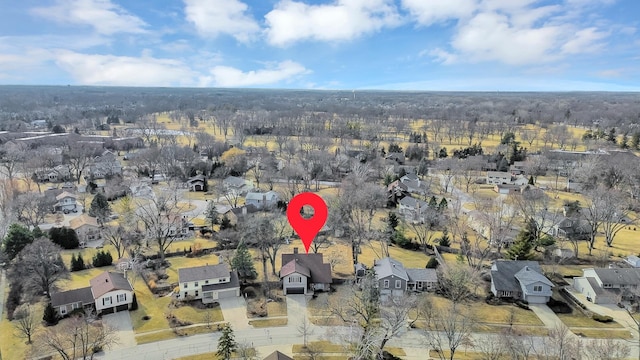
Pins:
x,y
227,343
242,262
522,247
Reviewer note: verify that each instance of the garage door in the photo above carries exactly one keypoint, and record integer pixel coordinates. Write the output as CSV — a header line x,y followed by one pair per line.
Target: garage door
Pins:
x,y
225,294
537,299
295,290
122,307
107,311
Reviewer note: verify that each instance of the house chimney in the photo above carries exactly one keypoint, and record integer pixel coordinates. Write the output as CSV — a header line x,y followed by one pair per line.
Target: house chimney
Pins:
x,y
295,250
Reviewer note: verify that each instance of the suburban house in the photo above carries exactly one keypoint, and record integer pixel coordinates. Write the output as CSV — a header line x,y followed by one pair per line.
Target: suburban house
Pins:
x,y
506,189
607,286
413,209
86,227
573,227
237,185
105,165
262,201
208,283
633,261
197,183
178,226
66,202
396,157
304,273
518,168
107,293
240,213
58,173
393,279
498,177
277,355
396,191
520,280
414,184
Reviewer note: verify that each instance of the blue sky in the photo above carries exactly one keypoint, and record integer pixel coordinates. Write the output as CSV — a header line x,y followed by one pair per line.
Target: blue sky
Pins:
x,y
479,45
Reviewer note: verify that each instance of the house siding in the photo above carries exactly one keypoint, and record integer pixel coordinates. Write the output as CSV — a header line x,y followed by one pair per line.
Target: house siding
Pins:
x,y
110,300
294,280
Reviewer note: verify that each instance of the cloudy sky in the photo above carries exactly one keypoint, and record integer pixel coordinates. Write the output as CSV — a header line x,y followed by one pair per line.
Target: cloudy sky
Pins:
x,y
493,45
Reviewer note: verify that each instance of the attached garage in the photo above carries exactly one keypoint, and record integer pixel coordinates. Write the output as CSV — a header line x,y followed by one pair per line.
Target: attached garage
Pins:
x,y
123,307
294,290
225,294
531,299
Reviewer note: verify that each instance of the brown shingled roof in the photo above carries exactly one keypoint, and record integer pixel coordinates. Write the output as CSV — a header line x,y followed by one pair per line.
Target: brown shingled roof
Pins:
x,y
83,219
294,266
320,272
108,281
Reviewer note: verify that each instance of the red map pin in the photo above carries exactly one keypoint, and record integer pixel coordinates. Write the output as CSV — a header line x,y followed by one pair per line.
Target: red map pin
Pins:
x,y
307,229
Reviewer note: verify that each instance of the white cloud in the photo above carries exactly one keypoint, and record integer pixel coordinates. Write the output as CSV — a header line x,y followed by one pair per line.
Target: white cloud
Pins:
x,y
226,76
442,56
89,69
584,41
343,20
214,17
430,12
104,16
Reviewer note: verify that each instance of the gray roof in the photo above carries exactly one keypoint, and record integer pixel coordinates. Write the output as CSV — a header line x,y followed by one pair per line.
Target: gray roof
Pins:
x,y
203,272
233,283
233,180
277,355
83,295
594,285
527,276
269,195
503,271
410,177
320,272
386,267
426,275
619,276
412,202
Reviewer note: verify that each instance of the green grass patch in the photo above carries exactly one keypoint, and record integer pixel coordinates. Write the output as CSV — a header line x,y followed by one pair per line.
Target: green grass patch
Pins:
x,y
196,316
578,319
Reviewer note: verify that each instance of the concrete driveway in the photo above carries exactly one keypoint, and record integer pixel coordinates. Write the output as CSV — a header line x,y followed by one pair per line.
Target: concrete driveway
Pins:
x,y
234,311
121,322
296,310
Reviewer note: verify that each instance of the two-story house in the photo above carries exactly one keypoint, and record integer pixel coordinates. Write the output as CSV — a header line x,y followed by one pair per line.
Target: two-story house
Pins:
x,y
107,293
608,286
105,165
208,283
520,280
498,177
87,229
414,210
262,201
66,202
394,280
237,185
304,273
413,184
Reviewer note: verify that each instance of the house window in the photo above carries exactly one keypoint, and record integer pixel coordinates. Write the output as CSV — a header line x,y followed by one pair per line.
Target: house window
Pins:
x,y
537,288
206,281
63,310
185,285
186,294
196,292
196,284
398,284
122,297
386,284
106,301
74,306
419,284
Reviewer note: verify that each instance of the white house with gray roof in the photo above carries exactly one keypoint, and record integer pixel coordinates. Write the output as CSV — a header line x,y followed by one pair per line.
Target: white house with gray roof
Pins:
x,y
607,286
393,279
262,201
208,283
520,280
413,209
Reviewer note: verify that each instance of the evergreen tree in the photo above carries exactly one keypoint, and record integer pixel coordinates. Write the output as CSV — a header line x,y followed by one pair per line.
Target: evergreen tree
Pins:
x,y
225,223
77,263
100,208
212,213
531,182
624,142
16,239
102,258
443,153
444,240
521,248
38,233
611,136
442,206
392,221
226,344
242,262
65,237
134,303
50,315
432,264
433,203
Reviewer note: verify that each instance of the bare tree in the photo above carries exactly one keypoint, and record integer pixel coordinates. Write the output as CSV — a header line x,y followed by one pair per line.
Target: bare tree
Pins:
x,y
115,235
457,282
162,219
616,214
305,330
594,213
79,158
245,351
561,344
605,349
25,322
11,156
32,208
394,314
451,329
426,231
81,336
39,266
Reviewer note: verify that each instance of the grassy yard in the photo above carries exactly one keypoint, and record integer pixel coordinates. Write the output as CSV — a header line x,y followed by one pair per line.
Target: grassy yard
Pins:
x,y
178,262
263,323
603,333
12,346
156,336
578,319
197,316
149,306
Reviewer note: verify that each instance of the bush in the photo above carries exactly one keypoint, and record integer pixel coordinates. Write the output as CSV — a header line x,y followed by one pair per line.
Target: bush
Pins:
x,y
601,318
134,303
432,264
65,237
77,263
13,300
102,258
